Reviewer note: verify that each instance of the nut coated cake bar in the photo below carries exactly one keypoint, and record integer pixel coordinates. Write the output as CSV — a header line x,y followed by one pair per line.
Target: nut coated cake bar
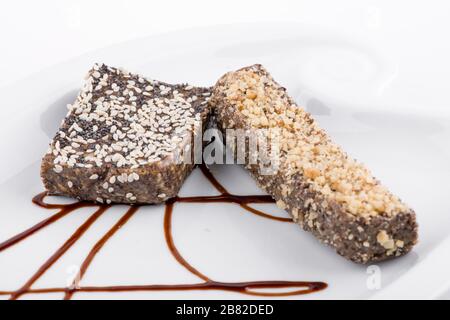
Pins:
x,y
327,193
118,141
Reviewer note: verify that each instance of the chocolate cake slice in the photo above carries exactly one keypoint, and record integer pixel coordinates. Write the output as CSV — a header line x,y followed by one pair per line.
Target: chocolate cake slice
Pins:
x,y
121,139
326,192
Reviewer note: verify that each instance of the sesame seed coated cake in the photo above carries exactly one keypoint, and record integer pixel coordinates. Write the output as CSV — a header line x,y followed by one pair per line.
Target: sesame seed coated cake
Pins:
x,y
326,192
119,140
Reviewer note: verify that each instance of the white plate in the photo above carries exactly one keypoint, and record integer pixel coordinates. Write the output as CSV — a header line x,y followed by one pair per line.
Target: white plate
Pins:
x,y
354,90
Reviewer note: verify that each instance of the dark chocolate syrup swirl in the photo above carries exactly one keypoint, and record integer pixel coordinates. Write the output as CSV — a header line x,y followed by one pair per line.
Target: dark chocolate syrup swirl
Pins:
x,y
301,287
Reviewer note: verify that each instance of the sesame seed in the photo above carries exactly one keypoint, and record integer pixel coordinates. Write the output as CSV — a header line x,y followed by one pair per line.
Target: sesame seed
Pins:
x,y
94,177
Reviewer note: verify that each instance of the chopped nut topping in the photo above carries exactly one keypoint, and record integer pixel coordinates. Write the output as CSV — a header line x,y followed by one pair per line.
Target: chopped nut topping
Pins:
x,y
306,148
311,173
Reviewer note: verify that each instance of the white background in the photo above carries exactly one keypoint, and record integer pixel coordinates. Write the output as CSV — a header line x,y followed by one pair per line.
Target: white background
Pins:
x,y
37,34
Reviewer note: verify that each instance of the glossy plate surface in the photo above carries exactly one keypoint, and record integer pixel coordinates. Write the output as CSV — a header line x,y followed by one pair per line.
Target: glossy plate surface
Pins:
x,y
360,94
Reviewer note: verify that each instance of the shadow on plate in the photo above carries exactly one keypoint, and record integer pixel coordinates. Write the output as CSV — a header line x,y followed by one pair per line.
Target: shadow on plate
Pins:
x,y
397,122
51,118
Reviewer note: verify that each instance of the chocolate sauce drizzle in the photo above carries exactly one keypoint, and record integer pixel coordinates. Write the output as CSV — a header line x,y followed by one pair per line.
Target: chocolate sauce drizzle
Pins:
x,y
302,287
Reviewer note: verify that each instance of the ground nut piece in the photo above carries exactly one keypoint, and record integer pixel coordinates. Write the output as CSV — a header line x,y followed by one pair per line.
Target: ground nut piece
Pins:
x,y
312,173
386,241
